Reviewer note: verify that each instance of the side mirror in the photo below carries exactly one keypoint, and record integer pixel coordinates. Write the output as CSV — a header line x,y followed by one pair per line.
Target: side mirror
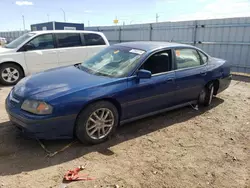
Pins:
x,y
143,74
28,47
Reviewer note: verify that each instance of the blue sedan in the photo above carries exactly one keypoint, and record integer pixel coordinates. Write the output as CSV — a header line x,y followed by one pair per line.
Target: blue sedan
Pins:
x,y
122,83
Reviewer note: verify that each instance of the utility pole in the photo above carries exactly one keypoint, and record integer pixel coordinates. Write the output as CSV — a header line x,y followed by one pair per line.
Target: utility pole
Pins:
x,y
48,17
64,15
156,17
23,22
88,23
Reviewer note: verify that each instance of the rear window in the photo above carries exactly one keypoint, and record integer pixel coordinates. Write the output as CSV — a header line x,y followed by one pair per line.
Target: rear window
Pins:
x,y
68,39
203,57
92,39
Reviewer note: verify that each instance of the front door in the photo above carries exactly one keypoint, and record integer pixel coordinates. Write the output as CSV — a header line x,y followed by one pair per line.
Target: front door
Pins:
x,y
153,94
41,54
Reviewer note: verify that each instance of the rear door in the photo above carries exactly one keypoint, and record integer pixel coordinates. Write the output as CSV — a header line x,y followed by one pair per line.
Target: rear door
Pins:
x,y
70,48
41,54
191,73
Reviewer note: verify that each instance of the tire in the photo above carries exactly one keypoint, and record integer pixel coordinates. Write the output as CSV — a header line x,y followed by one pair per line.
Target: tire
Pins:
x,y
10,74
87,122
206,95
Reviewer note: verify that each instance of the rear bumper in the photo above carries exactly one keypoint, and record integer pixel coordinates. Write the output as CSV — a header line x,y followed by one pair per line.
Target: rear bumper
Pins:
x,y
41,127
224,83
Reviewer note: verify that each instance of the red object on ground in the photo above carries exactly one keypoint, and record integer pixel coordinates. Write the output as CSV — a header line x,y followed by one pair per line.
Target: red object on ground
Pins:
x,y
72,175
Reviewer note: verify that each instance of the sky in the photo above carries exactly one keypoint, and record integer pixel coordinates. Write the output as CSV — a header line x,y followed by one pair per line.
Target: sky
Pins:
x,y
103,12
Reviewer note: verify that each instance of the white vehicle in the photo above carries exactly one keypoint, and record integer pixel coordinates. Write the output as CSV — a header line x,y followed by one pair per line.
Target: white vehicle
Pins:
x,y
41,50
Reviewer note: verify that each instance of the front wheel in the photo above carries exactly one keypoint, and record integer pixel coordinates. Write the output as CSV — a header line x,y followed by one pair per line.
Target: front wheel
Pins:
x,y
10,74
206,95
97,122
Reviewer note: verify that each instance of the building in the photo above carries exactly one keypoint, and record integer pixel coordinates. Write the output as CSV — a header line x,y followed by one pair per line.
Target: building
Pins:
x,y
57,26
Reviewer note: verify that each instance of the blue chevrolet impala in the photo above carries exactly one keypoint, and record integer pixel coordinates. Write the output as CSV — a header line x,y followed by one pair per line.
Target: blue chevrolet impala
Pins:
x,y
122,83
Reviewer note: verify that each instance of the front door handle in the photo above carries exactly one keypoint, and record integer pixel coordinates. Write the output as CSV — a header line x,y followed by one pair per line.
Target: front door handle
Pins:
x,y
203,73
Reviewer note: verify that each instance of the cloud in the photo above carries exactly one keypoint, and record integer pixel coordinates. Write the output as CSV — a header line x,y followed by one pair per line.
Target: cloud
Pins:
x,y
88,11
220,9
24,3
167,1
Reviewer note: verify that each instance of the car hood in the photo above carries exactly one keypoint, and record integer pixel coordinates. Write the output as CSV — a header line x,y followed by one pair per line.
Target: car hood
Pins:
x,y
55,82
6,50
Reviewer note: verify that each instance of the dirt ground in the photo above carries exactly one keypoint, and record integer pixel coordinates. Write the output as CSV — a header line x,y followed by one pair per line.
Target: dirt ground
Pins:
x,y
183,148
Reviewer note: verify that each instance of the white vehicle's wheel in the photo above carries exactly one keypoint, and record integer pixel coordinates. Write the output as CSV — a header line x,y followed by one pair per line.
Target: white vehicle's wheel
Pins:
x,y
10,74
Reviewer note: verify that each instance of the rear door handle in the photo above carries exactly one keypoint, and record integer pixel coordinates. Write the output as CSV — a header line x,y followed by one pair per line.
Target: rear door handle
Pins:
x,y
203,73
170,80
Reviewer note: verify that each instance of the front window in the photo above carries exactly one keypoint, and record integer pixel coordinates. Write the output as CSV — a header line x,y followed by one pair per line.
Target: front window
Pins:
x,y
113,61
41,42
159,62
17,42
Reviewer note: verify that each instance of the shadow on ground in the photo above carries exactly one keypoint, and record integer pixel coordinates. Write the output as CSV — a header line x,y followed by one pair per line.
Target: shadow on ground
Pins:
x,y
18,154
241,78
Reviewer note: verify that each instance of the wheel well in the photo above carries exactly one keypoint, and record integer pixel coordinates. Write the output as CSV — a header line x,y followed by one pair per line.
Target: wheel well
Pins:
x,y
111,100
12,62
216,85
114,102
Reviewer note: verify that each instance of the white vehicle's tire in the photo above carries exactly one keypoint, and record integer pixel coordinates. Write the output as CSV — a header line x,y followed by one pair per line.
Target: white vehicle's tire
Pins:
x,y
10,74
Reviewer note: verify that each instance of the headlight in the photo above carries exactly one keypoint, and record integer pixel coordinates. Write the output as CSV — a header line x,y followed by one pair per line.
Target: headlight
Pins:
x,y
37,107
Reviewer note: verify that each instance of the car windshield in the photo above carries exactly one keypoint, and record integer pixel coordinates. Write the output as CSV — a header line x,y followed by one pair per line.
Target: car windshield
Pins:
x,y
17,42
113,61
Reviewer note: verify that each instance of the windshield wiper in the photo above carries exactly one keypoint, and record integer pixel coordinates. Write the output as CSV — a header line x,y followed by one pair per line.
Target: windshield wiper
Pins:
x,y
101,74
91,71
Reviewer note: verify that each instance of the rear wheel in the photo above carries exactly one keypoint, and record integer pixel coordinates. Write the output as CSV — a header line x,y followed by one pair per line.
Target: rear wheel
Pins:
x,y
97,122
206,95
10,74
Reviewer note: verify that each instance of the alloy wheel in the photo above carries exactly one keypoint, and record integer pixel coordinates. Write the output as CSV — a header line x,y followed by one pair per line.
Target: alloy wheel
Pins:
x,y
100,123
10,74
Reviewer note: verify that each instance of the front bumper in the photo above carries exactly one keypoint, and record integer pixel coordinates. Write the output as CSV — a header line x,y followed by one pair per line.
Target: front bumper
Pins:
x,y
40,127
224,83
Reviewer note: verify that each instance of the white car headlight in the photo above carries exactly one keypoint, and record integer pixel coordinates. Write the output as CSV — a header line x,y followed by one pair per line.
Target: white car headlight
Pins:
x,y
37,107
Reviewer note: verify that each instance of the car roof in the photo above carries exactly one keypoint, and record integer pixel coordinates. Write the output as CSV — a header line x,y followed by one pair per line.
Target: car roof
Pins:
x,y
151,45
63,31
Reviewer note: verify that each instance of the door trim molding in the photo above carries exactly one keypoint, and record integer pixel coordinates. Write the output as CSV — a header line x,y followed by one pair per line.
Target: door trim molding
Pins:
x,y
157,112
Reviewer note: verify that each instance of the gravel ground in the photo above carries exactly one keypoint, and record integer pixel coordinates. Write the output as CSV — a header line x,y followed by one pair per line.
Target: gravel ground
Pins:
x,y
183,148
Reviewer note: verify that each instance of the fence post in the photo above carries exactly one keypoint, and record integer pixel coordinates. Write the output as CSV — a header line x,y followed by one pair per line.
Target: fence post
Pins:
x,y
120,34
195,32
150,31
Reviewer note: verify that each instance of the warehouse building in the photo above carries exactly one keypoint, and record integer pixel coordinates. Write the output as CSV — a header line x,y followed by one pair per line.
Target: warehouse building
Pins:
x,y
56,26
